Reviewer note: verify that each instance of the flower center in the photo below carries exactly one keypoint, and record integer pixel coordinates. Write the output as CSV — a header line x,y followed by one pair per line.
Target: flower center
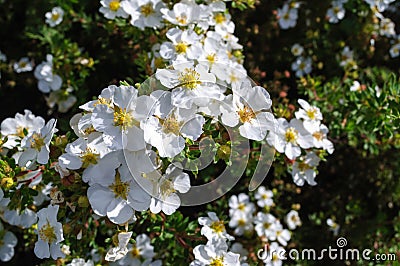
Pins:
x,y
181,19
147,10
122,118
189,78
241,222
181,47
167,188
291,135
266,225
47,233
286,16
171,125
246,114
218,261
211,58
23,64
242,206
55,16
20,132
120,188
219,18
318,135
303,167
311,113
37,141
218,226
114,5
135,252
89,157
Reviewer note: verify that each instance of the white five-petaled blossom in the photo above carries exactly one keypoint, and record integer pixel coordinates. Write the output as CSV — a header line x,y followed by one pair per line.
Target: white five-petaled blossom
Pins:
x,y
293,220
63,98
287,17
80,262
311,115
241,204
215,253
112,9
166,199
333,226
320,139
290,137
387,28
213,228
356,86
241,222
48,81
336,12
281,235
55,16
302,66
37,145
16,128
304,169
7,243
264,197
266,225
140,253
144,13
347,58
297,49
120,250
169,127
23,65
190,85
249,107
182,14
119,196
50,234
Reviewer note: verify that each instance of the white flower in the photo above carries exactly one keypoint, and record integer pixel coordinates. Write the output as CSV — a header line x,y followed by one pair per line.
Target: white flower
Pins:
x,y
121,249
213,228
222,23
37,145
387,28
166,198
380,5
264,197
239,249
14,128
3,57
241,222
140,253
302,66
168,129
182,14
304,169
233,74
144,13
356,86
241,204
333,226
320,139
275,255
249,106
23,65
55,16
290,137
47,80
297,49
184,45
119,196
63,98
395,50
287,17
282,235
336,12
112,9
347,58
190,85
266,225
215,253
311,115
21,218
7,243
293,220
118,115
50,234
